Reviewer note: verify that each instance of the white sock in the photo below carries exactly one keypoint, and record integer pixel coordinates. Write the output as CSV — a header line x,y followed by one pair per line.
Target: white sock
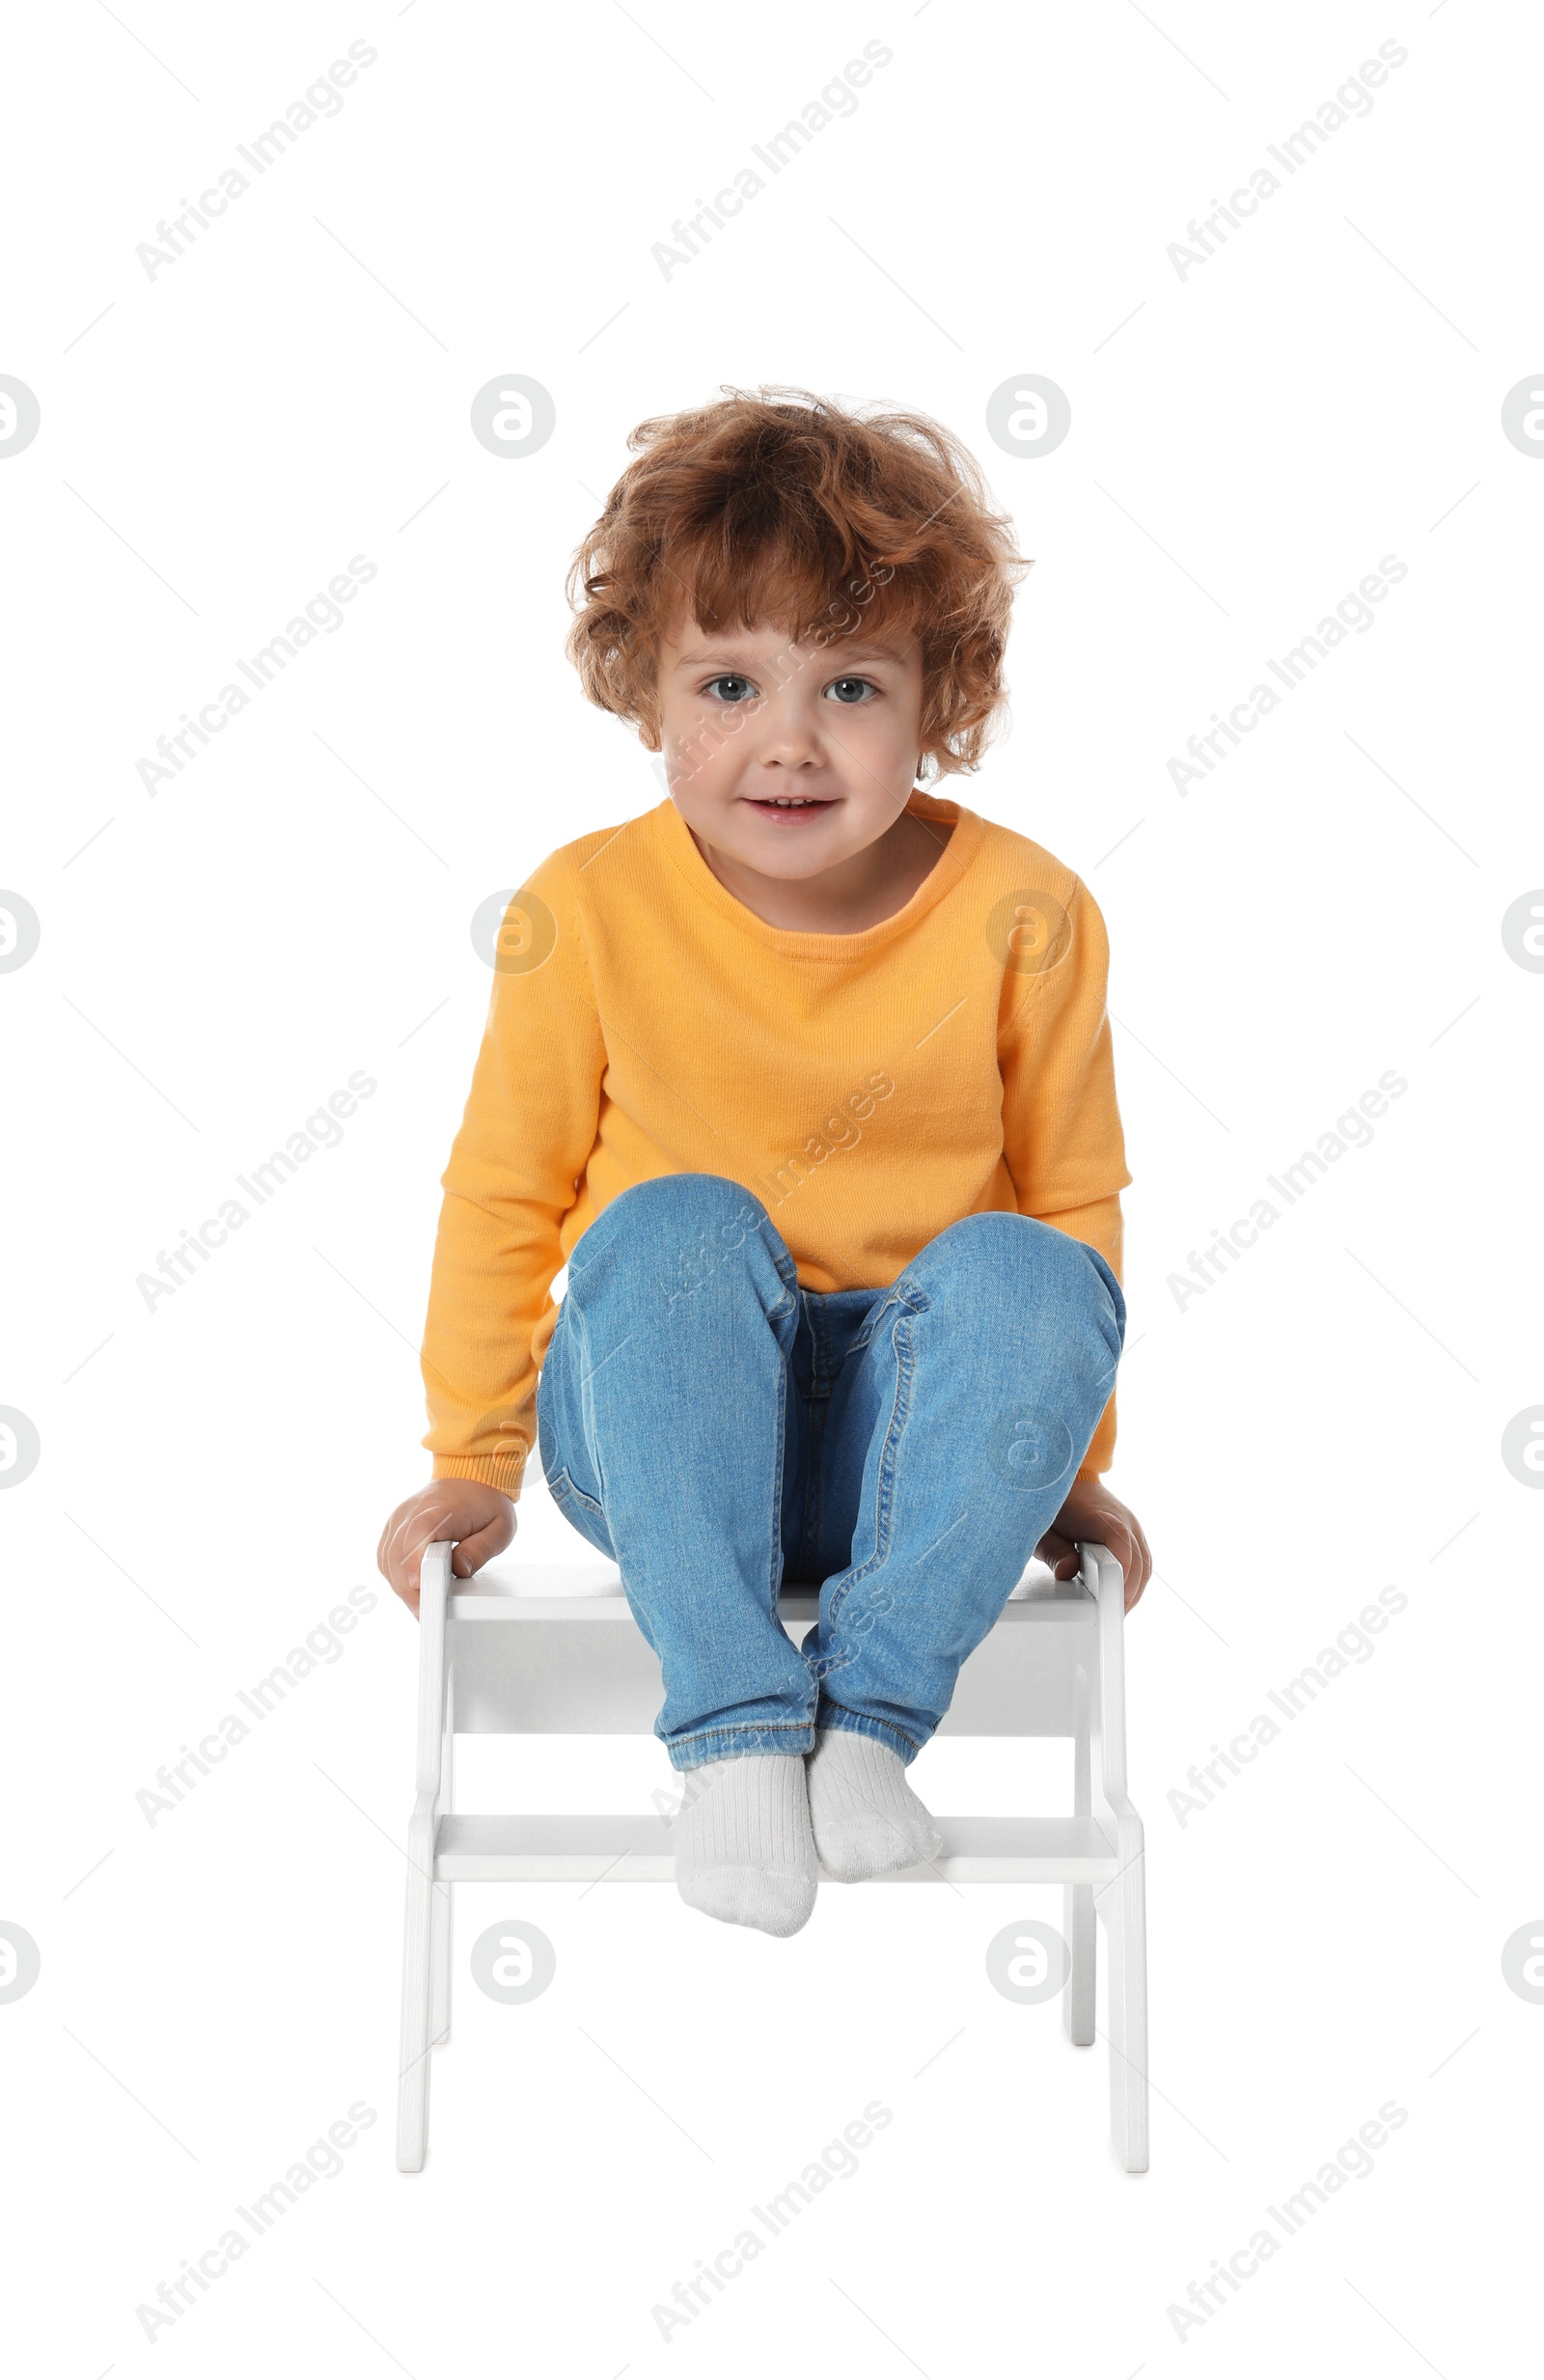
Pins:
x,y
864,1817
744,1851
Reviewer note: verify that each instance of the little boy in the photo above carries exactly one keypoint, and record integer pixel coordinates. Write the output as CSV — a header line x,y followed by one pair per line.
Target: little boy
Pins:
x,y
806,1075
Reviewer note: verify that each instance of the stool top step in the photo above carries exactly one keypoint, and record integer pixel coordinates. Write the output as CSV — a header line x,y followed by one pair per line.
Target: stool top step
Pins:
x,y
591,1591
506,1579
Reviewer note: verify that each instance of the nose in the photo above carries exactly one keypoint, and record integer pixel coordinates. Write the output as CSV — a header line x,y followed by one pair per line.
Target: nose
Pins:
x,y
785,734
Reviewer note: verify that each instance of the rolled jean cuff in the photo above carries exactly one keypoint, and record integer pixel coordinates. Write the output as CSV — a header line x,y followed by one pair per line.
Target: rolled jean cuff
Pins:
x,y
859,1723
734,1743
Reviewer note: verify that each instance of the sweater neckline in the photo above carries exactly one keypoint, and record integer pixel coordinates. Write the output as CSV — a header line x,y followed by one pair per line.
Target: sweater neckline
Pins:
x,y
940,881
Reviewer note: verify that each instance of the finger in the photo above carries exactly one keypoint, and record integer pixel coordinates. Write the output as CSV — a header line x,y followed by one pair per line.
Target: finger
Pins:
x,y
401,1588
1116,1538
1141,1561
390,1545
463,1559
383,1551
402,1568
430,1525
474,1551
410,1561
1058,1552
416,1532
399,1566
1137,1568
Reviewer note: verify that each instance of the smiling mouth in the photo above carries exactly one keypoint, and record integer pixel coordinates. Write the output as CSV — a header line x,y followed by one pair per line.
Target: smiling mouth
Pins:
x,y
787,805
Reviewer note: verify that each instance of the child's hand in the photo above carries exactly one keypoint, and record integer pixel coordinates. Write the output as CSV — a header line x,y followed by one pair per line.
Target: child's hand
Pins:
x,y
480,1520
1092,1516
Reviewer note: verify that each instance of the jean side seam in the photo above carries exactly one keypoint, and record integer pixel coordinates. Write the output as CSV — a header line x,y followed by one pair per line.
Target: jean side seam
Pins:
x,y
586,1410
883,1504
817,1414
780,1457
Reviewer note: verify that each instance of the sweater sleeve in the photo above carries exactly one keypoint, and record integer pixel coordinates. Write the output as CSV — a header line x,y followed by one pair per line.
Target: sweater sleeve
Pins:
x,y
524,1142
1061,1133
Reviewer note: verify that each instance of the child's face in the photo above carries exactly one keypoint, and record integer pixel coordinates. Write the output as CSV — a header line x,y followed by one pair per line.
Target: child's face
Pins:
x,y
788,759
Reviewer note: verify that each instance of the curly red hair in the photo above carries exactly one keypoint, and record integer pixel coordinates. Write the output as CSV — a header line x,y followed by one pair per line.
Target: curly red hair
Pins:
x,y
777,507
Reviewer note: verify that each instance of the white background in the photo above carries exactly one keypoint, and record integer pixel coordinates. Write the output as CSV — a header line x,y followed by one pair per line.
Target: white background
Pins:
x,y
1247,441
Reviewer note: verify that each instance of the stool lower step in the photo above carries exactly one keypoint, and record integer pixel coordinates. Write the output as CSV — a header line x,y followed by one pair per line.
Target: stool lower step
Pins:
x,y
637,1850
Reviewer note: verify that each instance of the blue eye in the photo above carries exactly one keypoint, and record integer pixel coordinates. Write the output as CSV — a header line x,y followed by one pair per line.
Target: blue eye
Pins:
x,y
715,686
851,690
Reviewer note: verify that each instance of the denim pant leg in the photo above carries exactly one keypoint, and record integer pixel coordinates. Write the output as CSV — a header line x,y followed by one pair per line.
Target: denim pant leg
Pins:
x,y
962,1411
663,1414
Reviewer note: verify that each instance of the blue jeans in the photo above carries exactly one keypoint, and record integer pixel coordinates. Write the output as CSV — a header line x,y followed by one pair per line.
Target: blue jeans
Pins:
x,y
714,1429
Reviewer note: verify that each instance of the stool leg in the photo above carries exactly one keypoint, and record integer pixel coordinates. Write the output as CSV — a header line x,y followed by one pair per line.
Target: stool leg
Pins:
x,y
1125,1914
439,2021
1077,1899
412,2103
1082,1933
421,1943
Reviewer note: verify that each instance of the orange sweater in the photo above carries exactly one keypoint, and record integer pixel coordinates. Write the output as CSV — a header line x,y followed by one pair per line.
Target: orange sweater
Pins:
x,y
870,1088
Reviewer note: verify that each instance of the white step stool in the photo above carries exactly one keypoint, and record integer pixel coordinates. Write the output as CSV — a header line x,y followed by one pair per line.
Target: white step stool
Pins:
x,y
530,1658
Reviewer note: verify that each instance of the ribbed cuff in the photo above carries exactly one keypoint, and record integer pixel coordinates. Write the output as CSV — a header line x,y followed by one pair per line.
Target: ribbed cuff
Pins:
x,y
505,1472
